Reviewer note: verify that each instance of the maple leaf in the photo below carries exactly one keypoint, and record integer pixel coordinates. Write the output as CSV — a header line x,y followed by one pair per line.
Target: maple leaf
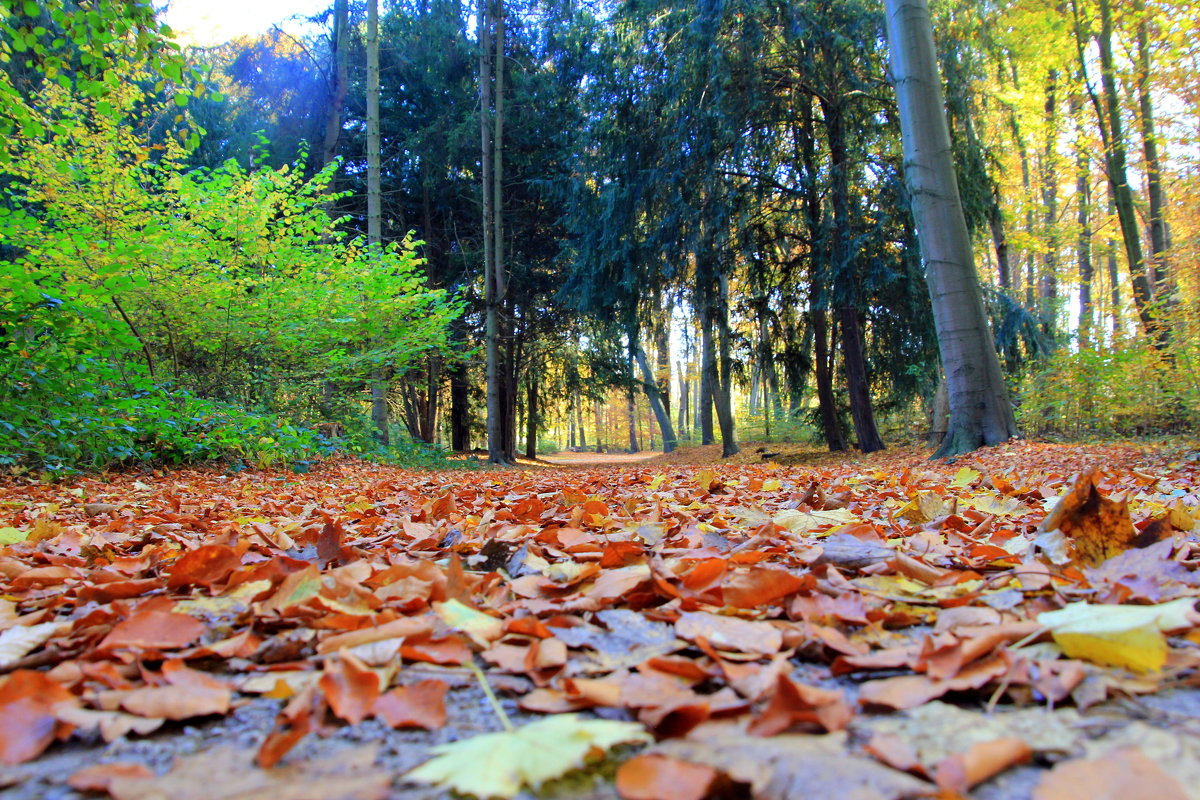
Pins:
x,y
499,764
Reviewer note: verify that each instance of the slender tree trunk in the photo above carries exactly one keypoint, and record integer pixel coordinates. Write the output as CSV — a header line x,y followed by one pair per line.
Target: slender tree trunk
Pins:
x,y
662,414
1083,240
823,366
1027,185
1122,193
531,414
1112,268
1154,188
493,298
708,376
980,412
460,409
379,383
341,81
600,427
662,373
631,405
1048,281
857,382
723,387
684,398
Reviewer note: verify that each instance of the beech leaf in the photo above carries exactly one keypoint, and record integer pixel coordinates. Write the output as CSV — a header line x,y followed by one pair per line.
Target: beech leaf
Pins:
x,y
1121,636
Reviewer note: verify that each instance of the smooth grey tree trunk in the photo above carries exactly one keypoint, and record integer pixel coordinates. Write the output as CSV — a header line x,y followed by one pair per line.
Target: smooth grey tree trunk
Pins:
x,y
341,81
980,412
492,299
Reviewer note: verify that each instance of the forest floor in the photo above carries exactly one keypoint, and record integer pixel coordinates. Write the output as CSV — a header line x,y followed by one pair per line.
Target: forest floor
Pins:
x,y
874,626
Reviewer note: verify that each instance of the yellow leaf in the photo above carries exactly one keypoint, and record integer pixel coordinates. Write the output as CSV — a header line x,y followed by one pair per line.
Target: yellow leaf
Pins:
x,y
772,485
11,536
1121,636
499,764
479,626
802,522
657,482
995,504
964,477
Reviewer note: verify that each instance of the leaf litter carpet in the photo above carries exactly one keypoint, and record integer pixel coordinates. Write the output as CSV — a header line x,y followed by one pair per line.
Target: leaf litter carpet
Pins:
x,y
1017,623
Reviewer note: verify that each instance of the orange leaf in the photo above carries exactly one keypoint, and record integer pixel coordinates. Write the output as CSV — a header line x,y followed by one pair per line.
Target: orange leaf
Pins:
x,y
154,630
350,686
1099,527
97,778
795,703
203,566
961,771
421,705
1123,773
27,720
652,777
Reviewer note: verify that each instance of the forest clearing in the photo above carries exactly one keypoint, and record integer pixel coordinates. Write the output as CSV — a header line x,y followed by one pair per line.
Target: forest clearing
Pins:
x,y
599,398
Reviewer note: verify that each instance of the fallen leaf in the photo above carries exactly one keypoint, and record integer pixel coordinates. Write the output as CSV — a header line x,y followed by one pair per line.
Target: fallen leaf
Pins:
x,y
418,705
1121,774
499,764
21,640
979,762
1097,526
228,773
27,719
794,766
157,630
351,687
654,777
1122,636
97,778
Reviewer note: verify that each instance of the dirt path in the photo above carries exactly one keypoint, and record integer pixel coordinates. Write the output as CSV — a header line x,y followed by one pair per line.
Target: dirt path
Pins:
x,y
567,459
816,603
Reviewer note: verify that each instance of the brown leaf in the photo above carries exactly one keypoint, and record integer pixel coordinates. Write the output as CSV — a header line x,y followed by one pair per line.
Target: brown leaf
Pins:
x,y
653,777
27,719
1124,773
176,702
98,777
761,586
204,566
1099,527
794,766
794,704
419,705
982,761
729,633
350,686
154,630
228,773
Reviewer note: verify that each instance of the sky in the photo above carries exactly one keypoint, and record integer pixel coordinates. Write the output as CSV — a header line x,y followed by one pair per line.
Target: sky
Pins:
x,y
210,22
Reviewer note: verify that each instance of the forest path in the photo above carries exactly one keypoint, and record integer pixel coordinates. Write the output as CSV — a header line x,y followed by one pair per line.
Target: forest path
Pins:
x,y
305,617
586,459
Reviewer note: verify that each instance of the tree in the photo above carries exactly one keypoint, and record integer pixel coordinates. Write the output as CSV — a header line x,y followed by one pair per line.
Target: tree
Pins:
x,y
379,381
980,412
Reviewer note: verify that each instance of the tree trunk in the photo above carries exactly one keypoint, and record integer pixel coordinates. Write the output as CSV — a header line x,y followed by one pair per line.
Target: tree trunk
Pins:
x,y
460,409
708,377
662,372
823,366
684,399
1048,280
1083,240
1115,158
379,384
341,81
939,417
857,382
1111,267
723,388
1154,188
1027,185
531,414
980,413
488,29
631,405
661,413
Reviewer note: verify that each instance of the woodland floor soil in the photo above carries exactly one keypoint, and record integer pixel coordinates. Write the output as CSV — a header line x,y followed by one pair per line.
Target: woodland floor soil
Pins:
x,y
883,579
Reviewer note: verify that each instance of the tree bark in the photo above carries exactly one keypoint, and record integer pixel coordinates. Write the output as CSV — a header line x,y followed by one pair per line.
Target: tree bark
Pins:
x,y
857,382
1048,280
662,414
341,81
1083,233
823,366
531,414
1115,158
708,370
980,413
1155,194
379,384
